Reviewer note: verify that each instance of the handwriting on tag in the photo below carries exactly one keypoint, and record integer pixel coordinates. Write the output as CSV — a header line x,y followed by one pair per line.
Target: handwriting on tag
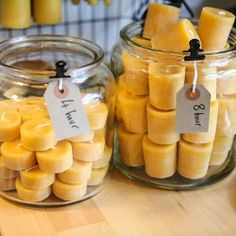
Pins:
x,y
192,109
66,110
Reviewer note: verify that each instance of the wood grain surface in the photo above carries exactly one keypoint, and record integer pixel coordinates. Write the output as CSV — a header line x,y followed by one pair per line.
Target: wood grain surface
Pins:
x,y
128,208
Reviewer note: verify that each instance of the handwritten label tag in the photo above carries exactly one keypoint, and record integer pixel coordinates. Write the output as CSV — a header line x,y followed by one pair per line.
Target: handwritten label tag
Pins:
x,y
192,110
66,110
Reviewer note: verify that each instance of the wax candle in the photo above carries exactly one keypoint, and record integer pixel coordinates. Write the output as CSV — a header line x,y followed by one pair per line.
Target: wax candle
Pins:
x,y
164,83
6,173
136,73
38,134
193,159
47,12
130,148
159,18
97,176
16,157
205,137
84,137
7,184
56,159
223,143
142,41
161,126
214,28
160,160
69,192
78,173
15,14
104,161
176,38
218,158
35,178
133,112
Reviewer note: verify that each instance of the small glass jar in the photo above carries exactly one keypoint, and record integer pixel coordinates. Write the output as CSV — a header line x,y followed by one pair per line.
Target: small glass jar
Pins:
x,y
44,171
148,148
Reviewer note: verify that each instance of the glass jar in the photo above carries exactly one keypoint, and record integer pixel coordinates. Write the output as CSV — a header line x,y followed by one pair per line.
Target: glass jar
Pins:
x,y
148,148
44,171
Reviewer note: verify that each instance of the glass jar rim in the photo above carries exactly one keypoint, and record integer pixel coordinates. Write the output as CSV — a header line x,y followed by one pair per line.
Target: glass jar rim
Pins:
x,y
128,29
94,49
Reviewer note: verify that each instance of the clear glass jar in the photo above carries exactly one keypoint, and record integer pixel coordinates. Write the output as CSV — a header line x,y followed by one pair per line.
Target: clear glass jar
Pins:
x,y
32,161
148,149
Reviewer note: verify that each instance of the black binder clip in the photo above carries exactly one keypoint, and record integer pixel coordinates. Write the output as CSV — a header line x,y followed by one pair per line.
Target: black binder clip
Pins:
x,y
60,70
194,51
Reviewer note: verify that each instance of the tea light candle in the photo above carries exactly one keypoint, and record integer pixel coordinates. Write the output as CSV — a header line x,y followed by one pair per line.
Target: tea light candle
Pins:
x,y
223,143
218,158
32,100
214,28
16,157
38,134
160,160
164,83
130,148
56,159
104,161
142,41
84,137
133,111
193,159
6,173
97,176
161,126
205,137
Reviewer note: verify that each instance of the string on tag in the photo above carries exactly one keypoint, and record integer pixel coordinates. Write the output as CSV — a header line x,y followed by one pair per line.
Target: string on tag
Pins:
x,y
194,83
60,85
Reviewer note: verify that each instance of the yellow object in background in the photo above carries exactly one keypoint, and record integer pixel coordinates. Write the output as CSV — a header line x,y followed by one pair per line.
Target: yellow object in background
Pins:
x,y
16,14
142,41
47,12
84,137
6,173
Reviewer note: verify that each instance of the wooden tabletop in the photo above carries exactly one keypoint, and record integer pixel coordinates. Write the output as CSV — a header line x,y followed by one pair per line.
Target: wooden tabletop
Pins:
x,y
128,208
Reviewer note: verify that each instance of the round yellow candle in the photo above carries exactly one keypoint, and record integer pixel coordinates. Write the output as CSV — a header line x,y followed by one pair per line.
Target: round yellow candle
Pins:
x,y
78,173
38,134
218,158
130,148
97,176
6,173
32,100
205,137
164,83
56,159
16,157
133,111
214,28
104,161
161,126
136,74
31,195
193,159
160,160
10,122
69,192
15,14
206,75
13,105
7,184
223,143
29,112
84,137
35,178
47,12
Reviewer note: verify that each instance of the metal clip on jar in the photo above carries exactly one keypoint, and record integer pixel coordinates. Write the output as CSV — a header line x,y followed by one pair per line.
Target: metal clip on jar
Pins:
x,y
43,170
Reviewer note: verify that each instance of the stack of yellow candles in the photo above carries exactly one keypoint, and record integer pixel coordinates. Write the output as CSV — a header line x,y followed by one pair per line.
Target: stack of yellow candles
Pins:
x,y
146,98
33,162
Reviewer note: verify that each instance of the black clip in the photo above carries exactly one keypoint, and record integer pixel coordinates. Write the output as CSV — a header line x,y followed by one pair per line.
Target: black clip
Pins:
x,y
194,51
60,70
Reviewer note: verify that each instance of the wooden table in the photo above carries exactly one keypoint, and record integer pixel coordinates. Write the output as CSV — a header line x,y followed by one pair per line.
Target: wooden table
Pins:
x,y
128,208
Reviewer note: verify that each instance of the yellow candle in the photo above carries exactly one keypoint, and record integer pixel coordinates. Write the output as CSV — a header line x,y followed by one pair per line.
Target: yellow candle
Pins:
x,y
136,74
159,18
160,160
47,12
32,100
133,112
104,161
193,159
7,184
16,157
161,126
206,75
176,38
10,122
205,137
56,159
84,137
97,176
15,14
214,28
38,134
142,41
13,105
164,83
130,148
223,143
6,173
78,173
35,178
218,158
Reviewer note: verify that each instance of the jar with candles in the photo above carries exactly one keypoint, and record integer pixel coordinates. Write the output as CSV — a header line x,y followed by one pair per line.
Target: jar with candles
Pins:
x,y
57,108
160,140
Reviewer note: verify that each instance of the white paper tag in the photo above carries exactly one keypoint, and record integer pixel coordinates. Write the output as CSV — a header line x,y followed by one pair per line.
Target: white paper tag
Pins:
x,y
66,110
192,110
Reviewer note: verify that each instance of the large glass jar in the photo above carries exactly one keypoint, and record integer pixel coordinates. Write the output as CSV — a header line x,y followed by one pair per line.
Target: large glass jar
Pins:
x,y
44,171
148,148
